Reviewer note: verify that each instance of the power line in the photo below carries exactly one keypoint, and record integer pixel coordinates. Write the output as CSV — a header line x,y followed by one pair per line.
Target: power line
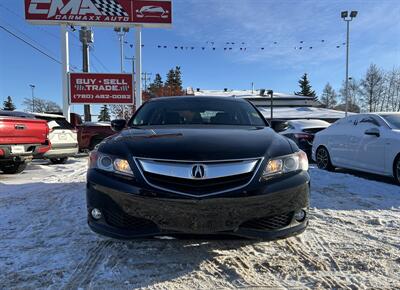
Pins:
x,y
99,61
75,38
23,18
30,44
25,35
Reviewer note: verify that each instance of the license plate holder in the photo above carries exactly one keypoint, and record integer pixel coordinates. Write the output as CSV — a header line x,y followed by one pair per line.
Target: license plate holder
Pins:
x,y
17,149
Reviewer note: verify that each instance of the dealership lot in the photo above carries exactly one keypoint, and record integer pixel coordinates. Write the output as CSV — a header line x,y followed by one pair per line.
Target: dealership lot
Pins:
x,y
352,241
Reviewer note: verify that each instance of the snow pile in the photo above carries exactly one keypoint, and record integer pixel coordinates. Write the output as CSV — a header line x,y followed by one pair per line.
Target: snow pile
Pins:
x,y
352,241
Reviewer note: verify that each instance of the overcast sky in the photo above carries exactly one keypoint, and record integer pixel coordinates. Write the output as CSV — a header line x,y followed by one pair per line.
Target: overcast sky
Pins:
x,y
280,27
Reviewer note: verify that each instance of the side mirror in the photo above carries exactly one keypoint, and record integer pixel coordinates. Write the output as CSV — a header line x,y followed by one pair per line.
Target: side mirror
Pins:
x,y
372,132
279,126
118,125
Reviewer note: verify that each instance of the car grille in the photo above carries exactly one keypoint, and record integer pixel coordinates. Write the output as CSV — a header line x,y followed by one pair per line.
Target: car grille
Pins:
x,y
269,223
216,176
119,219
198,187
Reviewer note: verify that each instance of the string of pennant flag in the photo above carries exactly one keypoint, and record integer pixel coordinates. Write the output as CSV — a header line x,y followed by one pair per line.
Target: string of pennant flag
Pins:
x,y
242,46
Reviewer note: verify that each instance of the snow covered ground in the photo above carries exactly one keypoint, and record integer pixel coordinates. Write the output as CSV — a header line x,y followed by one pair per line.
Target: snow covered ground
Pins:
x,y
353,241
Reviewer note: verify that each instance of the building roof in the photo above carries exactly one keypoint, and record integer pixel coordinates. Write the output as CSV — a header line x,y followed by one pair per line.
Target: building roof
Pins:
x,y
289,113
245,94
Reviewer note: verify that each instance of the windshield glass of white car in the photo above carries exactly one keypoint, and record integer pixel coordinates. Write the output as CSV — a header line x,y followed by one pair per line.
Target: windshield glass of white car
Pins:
x,y
393,120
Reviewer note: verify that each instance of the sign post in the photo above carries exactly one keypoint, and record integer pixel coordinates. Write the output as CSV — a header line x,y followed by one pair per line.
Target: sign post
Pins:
x,y
138,64
109,13
65,70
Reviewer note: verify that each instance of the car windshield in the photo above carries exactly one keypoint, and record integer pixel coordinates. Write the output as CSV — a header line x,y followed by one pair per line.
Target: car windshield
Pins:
x,y
198,112
393,120
56,123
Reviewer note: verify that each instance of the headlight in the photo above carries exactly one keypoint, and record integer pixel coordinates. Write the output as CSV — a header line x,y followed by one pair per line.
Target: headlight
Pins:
x,y
109,163
285,164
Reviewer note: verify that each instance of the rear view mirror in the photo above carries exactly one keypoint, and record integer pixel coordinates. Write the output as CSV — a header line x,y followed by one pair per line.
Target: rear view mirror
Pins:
x,y
118,125
372,132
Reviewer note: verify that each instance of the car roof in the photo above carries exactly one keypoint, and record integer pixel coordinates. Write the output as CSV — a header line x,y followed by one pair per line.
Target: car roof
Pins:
x,y
17,114
385,113
196,98
54,116
310,122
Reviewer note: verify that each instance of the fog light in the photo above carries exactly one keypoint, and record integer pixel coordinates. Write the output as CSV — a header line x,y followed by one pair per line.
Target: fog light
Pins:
x,y
300,215
96,214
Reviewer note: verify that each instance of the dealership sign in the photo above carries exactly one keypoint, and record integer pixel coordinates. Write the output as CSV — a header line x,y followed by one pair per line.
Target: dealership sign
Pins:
x,y
95,88
125,13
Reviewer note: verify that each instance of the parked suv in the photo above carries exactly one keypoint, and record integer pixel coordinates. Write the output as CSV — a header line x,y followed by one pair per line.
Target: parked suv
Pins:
x,y
63,138
365,142
198,165
21,137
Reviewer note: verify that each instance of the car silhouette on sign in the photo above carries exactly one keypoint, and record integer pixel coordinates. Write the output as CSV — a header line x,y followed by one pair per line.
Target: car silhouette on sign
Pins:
x,y
152,12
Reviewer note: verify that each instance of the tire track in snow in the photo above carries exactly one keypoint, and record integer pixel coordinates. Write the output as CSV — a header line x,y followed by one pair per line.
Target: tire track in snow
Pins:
x,y
315,264
85,270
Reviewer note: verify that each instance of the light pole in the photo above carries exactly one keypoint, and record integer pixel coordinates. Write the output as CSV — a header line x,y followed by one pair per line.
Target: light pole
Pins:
x,y
33,97
271,94
121,35
86,37
346,17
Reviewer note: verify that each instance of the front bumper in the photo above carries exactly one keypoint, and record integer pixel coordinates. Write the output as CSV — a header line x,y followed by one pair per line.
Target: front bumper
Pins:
x,y
131,211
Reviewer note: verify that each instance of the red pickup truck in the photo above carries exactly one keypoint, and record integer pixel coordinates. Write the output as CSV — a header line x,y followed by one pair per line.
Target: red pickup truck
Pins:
x,y
21,137
90,133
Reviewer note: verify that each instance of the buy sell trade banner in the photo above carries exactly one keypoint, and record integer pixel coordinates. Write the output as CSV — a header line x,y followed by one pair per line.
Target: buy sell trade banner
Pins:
x,y
96,88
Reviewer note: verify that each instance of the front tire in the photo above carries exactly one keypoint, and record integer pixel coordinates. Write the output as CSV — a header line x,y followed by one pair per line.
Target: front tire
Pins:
x,y
59,160
323,159
13,168
396,170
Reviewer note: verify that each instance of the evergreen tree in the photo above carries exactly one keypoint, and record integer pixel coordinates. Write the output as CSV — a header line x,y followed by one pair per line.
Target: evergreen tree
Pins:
x,y
328,97
305,88
8,104
173,84
170,83
104,115
178,80
156,87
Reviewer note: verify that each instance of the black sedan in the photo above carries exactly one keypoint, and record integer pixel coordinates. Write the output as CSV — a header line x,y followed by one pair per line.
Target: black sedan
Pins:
x,y
197,165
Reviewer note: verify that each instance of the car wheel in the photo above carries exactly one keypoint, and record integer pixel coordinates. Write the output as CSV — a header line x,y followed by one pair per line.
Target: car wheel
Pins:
x,y
323,159
396,169
13,168
59,160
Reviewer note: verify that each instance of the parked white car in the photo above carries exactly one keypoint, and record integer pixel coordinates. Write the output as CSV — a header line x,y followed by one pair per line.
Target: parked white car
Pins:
x,y
364,142
63,138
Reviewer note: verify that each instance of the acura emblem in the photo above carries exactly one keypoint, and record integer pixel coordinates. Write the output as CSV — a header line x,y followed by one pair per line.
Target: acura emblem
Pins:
x,y
198,171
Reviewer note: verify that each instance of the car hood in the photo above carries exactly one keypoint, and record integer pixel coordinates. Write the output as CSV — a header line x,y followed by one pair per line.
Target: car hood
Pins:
x,y
197,143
